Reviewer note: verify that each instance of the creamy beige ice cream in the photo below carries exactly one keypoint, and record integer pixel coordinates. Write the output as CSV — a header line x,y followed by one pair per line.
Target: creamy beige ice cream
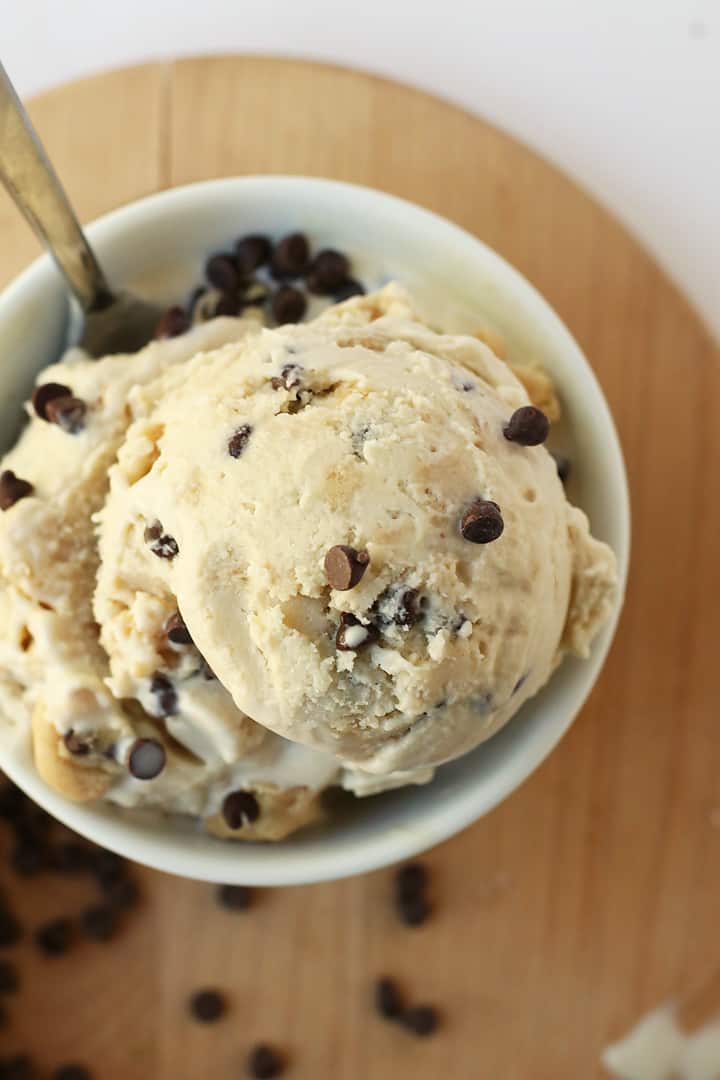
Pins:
x,y
283,586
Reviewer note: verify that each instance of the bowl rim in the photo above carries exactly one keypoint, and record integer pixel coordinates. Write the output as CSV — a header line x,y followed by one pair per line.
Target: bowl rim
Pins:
x,y
219,863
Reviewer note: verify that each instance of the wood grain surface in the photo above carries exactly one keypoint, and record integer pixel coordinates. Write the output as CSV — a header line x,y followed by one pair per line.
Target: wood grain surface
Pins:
x,y
590,895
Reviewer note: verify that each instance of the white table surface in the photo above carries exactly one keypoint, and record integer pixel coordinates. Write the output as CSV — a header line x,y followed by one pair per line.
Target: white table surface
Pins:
x,y
623,94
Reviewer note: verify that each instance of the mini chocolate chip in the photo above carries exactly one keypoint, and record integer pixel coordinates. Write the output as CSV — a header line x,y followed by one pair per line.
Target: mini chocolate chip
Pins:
x,y
176,631
290,257
44,394
408,608
264,1063
411,880
10,929
345,566
28,858
413,909
54,937
252,251
527,426
229,304
328,271
162,545
290,377
234,897
207,1006
122,895
238,441
421,1020
353,634
173,323
563,466
72,858
108,867
12,489
67,412
222,272
240,808
347,289
146,759
19,1067
75,745
72,1072
99,922
165,693
387,997
288,305
482,522
9,978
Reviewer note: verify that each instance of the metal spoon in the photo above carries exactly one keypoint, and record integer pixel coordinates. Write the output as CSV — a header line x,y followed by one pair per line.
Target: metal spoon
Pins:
x,y
113,322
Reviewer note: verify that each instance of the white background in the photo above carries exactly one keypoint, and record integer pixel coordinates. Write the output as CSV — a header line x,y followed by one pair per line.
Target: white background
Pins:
x,y
623,94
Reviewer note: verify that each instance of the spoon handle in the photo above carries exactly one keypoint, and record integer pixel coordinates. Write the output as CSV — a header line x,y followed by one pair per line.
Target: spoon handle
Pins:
x,y
26,172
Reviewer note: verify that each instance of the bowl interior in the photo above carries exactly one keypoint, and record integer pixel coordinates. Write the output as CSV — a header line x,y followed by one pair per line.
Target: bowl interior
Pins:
x,y
157,247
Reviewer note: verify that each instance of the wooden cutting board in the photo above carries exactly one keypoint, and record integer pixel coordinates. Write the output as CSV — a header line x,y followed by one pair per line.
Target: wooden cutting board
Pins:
x,y
593,892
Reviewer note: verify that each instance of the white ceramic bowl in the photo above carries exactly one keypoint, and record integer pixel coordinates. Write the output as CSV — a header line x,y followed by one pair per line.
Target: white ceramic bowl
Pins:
x,y
158,246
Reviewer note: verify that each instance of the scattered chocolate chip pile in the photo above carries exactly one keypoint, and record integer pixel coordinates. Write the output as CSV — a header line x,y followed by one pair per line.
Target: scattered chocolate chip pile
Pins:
x,y
59,852
39,847
258,273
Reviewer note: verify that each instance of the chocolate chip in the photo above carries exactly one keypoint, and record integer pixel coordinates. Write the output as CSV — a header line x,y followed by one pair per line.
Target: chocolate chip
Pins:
x,y
290,257
421,1020
352,634
55,937
229,304
67,412
264,1063
123,895
176,631
328,271
108,867
75,745
162,545
288,305
251,252
234,897
165,694
12,489
398,606
387,997
9,978
98,923
28,858
20,1067
173,323
527,426
72,858
238,441
347,289
413,909
482,522
222,272
207,1006
563,466
240,808
43,395
146,759
72,1072
345,566
10,929
411,880
290,377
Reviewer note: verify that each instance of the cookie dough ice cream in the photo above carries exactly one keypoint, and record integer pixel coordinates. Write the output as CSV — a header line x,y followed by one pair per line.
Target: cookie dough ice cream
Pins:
x,y
255,563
